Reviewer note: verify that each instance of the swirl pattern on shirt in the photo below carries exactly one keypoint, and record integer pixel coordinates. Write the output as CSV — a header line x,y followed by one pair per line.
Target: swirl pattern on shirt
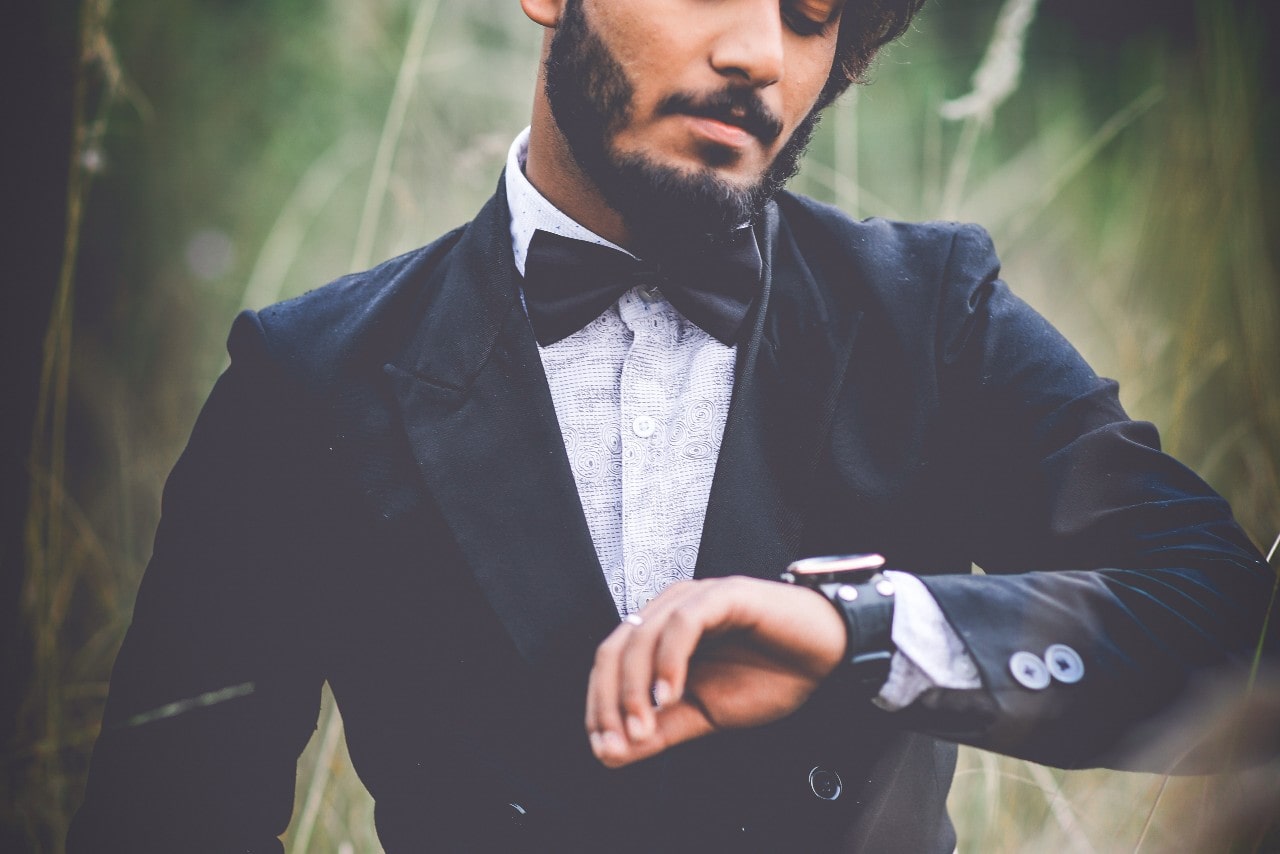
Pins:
x,y
642,395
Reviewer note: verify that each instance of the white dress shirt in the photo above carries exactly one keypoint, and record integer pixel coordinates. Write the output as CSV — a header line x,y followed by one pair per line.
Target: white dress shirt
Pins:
x,y
641,395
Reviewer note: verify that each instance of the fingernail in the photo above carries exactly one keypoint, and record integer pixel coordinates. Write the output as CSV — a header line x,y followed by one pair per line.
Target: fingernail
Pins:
x,y
611,742
596,742
661,692
637,729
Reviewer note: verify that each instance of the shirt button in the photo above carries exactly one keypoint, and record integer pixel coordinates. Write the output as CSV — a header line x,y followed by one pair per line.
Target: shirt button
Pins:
x,y
825,783
1029,670
1064,663
643,426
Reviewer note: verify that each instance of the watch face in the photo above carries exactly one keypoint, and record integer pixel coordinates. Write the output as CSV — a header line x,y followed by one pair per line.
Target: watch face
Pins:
x,y
835,563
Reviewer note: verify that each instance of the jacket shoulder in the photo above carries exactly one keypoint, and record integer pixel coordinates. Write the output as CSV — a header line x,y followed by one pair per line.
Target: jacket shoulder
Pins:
x,y
891,255
360,319
924,282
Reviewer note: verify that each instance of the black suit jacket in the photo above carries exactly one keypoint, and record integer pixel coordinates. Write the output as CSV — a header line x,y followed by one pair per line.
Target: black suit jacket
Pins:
x,y
377,494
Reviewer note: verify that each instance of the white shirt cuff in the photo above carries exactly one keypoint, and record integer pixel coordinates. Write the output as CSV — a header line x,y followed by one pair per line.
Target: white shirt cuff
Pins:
x,y
930,653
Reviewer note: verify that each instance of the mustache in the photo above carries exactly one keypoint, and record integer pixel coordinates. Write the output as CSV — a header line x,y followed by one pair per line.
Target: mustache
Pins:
x,y
733,106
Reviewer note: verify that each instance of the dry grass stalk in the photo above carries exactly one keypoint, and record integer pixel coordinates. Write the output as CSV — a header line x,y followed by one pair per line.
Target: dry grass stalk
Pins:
x,y
49,572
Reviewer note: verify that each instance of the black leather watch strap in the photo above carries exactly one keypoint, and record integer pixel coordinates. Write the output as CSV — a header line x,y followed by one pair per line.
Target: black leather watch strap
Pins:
x,y
867,610
864,599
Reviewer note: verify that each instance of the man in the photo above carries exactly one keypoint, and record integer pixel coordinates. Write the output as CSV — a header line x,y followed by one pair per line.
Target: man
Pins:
x,y
441,484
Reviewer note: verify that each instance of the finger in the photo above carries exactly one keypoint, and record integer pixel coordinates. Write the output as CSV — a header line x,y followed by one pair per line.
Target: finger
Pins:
x,y
607,714
711,609
636,672
674,624
674,724
604,723
683,630
635,675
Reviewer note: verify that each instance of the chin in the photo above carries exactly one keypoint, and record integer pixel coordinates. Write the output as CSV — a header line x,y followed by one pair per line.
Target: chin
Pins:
x,y
727,162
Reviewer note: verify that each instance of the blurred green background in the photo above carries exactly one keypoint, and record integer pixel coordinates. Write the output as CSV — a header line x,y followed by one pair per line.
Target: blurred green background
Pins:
x,y
226,154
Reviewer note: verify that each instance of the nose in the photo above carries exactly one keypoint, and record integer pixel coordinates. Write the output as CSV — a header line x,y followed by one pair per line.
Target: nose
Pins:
x,y
749,44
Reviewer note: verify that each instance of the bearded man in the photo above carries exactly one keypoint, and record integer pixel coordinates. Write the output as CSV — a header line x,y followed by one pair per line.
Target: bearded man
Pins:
x,y
440,485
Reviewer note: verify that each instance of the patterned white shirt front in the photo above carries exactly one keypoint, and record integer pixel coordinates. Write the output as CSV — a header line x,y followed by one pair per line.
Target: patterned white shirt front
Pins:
x,y
642,395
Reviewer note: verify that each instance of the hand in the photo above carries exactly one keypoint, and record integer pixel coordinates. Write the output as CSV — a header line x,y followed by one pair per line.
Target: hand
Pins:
x,y
708,655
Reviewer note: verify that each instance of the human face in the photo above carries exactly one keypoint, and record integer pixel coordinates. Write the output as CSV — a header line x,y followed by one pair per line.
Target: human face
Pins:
x,y
688,115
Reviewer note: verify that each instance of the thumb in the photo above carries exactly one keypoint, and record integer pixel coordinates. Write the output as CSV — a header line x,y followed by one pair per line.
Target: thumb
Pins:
x,y
674,723
681,721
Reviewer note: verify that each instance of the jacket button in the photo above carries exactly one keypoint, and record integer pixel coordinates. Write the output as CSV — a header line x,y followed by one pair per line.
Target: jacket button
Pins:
x,y
1065,664
1029,670
825,783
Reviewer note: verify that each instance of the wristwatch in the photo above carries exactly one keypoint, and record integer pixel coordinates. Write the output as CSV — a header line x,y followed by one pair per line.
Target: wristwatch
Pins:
x,y
864,599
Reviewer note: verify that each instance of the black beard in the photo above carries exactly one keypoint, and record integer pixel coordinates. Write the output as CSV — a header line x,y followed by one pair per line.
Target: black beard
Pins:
x,y
591,97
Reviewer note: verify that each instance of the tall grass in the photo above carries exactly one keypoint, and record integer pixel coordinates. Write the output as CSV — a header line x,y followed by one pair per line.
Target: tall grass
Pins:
x,y
1140,232
1132,219
57,535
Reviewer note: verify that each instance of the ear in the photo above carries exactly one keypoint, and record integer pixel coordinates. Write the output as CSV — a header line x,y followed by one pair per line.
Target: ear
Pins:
x,y
544,12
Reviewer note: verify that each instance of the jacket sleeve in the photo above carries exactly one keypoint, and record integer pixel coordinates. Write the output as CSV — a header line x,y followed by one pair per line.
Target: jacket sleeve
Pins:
x,y
216,689
1091,539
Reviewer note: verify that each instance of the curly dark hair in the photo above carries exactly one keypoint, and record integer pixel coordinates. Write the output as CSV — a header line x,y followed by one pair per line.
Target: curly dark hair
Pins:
x,y
865,27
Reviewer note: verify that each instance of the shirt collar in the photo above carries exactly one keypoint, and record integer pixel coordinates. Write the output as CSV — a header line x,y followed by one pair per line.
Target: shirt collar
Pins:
x,y
530,210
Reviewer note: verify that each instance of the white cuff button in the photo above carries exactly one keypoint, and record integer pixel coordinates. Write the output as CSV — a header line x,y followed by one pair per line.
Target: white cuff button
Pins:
x,y
1065,664
1029,670
643,426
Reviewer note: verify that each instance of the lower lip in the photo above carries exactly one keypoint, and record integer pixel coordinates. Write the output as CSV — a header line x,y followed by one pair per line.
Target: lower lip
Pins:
x,y
719,132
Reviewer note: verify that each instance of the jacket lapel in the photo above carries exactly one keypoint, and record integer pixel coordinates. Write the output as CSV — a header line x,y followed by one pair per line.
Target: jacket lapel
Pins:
x,y
484,432
788,378
483,429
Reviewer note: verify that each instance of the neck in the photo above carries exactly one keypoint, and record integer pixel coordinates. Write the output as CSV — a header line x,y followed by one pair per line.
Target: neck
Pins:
x,y
554,173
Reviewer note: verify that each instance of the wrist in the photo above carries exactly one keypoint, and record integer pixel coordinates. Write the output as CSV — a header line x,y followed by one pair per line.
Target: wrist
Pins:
x,y
864,600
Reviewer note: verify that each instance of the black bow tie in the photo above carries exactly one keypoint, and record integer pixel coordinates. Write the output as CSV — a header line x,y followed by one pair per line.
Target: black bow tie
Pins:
x,y
568,283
